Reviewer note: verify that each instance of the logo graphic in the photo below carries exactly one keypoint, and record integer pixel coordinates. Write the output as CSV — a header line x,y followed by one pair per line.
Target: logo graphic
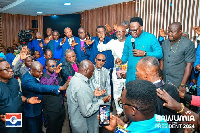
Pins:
x,y
13,119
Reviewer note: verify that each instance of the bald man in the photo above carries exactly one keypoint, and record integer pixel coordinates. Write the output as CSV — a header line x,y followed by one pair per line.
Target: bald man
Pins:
x,y
147,69
68,42
31,86
116,46
82,110
179,55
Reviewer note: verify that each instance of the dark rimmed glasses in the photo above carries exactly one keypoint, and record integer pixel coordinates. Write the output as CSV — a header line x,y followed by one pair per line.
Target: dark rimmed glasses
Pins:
x,y
121,104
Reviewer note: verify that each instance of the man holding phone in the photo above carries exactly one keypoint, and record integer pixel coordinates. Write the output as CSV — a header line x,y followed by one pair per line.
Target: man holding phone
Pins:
x,y
81,107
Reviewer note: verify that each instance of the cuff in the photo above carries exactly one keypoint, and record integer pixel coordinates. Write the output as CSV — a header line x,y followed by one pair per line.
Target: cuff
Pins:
x,y
188,97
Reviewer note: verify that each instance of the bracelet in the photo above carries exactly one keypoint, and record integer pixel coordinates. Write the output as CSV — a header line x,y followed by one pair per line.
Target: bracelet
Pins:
x,y
182,108
183,85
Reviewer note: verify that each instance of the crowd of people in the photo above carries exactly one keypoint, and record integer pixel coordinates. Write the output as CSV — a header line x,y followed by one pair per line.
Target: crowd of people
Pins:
x,y
142,77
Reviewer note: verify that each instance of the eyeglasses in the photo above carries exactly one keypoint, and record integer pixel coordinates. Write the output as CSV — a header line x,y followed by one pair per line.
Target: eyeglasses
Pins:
x,y
53,66
119,31
121,104
101,60
100,32
133,30
7,69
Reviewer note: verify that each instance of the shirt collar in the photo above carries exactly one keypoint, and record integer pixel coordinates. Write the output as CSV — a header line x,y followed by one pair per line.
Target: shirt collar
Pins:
x,y
79,75
34,77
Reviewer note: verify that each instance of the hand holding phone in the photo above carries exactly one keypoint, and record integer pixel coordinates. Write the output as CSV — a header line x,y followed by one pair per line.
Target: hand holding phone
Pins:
x,y
104,115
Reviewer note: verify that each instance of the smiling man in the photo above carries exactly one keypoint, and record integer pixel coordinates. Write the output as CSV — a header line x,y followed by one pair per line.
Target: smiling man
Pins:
x,y
138,45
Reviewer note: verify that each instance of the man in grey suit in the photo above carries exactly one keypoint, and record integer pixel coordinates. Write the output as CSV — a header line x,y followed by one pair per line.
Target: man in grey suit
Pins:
x,y
81,107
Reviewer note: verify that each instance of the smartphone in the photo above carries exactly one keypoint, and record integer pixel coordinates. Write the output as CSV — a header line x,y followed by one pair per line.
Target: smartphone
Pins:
x,y
104,115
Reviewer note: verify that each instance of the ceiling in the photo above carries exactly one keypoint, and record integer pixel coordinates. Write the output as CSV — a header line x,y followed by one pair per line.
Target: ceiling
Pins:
x,y
31,7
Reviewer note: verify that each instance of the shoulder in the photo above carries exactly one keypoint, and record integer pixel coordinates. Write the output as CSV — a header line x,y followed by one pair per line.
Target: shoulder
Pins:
x,y
187,42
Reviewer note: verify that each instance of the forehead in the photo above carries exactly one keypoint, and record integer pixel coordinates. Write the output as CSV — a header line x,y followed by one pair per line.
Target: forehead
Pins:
x,y
4,64
70,53
100,56
28,58
68,30
37,52
55,33
134,24
49,29
174,27
81,30
48,52
51,62
120,28
101,29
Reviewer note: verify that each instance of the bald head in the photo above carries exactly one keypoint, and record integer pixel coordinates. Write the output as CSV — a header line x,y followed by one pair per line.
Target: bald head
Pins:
x,y
36,69
147,69
120,33
36,65
178,25
86,68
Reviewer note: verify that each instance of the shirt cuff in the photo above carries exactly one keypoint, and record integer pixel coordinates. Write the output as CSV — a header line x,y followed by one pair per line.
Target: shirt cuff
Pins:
x,y
61,44
188,97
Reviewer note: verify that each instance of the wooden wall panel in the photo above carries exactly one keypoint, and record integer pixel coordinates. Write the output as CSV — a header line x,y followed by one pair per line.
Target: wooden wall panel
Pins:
x,y
12,24
113,14
161,13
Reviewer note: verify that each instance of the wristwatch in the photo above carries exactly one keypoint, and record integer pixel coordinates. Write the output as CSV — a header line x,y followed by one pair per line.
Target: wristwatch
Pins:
x,y
183,85
145,53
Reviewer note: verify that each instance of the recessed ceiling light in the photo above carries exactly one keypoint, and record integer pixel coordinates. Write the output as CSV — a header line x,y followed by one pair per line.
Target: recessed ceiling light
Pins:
x,y
67,4
39,12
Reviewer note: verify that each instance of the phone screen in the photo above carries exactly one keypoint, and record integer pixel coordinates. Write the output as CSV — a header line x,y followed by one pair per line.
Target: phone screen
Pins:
x,y
104,115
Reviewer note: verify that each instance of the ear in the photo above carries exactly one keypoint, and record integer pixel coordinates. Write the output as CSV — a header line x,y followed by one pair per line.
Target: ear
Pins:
x,y
46,67
141,27
133,111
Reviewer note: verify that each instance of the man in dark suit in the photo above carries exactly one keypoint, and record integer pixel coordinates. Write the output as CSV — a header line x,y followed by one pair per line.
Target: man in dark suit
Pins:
x,y
69,65
147,69
68,42
31,86
53,104
54,46
92,51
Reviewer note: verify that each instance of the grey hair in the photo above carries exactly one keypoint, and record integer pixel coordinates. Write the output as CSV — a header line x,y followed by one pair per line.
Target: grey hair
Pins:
x,y
68,51
125,23
150,61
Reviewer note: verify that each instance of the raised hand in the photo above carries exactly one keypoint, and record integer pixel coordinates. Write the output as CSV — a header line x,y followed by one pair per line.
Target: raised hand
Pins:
x,y
108,28
99,93
170,102
33,100
106,99
118,61
88,41
2,117
41,44
73,43
63,40
162,33
58,68
114,26
47,40
197,29
23,55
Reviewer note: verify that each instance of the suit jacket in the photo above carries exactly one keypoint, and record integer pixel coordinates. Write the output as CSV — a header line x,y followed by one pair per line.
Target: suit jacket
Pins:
x,y
19,70
32,87
65,46
67,70
51,46
173,92
80,54
35,46
93,52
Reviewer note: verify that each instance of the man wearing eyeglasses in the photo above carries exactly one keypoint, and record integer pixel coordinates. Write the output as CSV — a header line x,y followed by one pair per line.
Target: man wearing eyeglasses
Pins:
x,y
139,101
116,46
53,104
138,45
100,78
